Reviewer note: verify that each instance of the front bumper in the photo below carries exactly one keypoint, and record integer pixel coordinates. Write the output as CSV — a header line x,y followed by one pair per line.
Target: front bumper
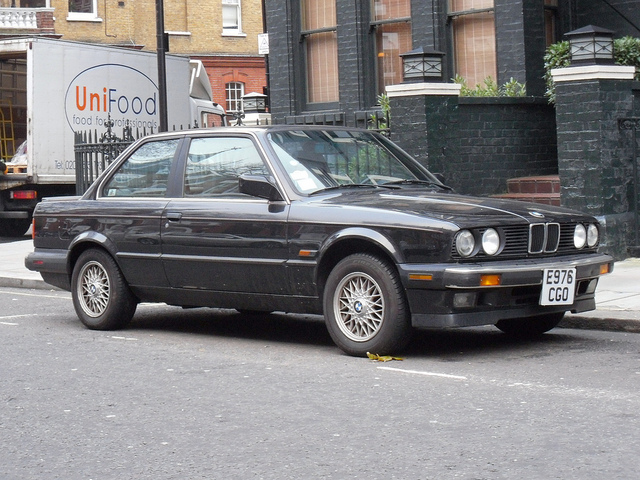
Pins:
x,y
434,291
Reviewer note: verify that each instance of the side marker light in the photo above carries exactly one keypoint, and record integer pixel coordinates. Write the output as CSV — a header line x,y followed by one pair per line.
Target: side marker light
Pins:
x,y
490,280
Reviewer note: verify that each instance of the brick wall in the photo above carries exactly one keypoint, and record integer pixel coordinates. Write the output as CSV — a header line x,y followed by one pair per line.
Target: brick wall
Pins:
x,y
477,143
225,69
198,26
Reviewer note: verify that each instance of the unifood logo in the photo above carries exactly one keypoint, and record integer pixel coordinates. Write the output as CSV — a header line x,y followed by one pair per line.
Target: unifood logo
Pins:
x,y
122,93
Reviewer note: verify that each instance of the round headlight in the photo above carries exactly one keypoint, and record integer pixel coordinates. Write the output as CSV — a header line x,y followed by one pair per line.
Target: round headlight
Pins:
x,y
465,243
490,241
592,235
579,236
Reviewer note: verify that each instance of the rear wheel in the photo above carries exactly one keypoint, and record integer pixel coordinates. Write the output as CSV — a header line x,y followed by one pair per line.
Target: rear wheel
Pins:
x,y
101,296
365,307
530,327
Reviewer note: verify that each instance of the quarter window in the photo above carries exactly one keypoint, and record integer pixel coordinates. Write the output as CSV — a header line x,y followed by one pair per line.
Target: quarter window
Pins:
x,y
214,166
391,22
321,50
145,173
474,39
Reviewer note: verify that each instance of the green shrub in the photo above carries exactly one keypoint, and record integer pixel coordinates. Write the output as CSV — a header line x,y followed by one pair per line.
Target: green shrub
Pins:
x,y
489,88
626,51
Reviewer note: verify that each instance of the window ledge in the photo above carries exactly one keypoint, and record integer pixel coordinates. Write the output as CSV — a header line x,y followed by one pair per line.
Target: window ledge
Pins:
x,y
80,18
234,34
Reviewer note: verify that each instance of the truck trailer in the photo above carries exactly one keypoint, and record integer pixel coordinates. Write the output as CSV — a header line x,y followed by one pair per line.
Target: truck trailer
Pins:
x,y
50,89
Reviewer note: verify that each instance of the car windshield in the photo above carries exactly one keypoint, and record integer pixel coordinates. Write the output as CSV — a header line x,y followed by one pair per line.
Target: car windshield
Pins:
x,y
317,160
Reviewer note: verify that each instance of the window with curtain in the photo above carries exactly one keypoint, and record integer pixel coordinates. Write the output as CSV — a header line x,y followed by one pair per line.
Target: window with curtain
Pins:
x,y
474,39
390,20
231,17
234,92
321,50
82,9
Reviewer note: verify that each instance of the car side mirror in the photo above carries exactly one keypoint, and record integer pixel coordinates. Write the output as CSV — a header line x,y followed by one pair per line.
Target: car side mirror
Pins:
x,y
259,186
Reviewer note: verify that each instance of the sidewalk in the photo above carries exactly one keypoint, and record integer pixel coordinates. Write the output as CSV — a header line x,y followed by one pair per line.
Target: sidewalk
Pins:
x,y
617,296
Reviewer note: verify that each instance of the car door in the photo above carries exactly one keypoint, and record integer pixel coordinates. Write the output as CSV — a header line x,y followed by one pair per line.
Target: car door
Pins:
x,y
214,237
129,208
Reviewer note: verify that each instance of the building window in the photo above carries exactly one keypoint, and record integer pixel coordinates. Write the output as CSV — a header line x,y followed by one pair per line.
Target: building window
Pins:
x,y
231,17
321,50
234,91
83,10
391,22
474,39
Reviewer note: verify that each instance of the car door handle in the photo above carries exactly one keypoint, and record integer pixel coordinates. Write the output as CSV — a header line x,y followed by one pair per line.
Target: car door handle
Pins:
x,y
174,216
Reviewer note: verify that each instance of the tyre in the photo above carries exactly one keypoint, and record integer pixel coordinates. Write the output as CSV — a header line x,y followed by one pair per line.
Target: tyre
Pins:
x,y
530,327
365,307
14,227
101,297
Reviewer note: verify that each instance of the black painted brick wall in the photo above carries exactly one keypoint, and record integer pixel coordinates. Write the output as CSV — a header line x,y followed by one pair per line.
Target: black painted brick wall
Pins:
x,y
621,16
478,144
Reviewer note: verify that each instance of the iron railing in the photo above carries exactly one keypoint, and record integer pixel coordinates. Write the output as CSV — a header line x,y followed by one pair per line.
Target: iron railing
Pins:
x,y
95,153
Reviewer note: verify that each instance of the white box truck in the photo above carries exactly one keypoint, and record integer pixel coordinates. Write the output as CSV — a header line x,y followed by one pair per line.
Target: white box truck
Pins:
x,y
51,88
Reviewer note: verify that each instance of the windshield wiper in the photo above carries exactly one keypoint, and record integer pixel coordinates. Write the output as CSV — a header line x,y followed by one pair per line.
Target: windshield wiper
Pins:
x,y
345,185
416,181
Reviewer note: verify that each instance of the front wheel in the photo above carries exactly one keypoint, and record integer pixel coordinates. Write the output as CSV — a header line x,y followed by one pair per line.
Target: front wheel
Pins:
x,y
365,307
530,327
101,297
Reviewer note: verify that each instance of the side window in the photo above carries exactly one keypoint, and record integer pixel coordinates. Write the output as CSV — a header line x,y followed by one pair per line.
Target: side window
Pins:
x,y
145,172
214,165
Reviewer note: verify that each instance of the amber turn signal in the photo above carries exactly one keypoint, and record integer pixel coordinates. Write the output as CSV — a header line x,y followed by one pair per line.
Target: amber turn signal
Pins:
x,y
490,280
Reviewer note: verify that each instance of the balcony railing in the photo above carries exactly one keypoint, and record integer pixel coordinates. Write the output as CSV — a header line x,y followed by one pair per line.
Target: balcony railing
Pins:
x,y
18,18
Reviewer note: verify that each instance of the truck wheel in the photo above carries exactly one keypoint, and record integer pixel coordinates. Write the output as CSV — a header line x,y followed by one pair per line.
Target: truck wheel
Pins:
x,y
101,296
14,227
530,327
365,307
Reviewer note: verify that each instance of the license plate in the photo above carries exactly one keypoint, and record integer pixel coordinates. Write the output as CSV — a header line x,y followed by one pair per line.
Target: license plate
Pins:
x,y
558,286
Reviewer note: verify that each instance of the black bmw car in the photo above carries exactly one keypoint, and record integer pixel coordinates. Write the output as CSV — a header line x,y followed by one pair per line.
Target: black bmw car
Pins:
x,y
333,221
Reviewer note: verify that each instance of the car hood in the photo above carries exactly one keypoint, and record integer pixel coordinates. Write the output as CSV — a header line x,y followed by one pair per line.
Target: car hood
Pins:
x,y
450,207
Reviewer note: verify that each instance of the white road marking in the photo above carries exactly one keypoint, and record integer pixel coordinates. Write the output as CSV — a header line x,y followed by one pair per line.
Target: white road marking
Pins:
x,y
419,372
40,295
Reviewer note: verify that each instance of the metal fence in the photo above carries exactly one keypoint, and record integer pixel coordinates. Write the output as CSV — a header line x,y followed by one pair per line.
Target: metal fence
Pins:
x,y
94,153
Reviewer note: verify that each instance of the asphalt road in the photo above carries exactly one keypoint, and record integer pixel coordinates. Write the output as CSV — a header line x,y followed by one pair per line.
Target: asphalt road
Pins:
x,y
210,394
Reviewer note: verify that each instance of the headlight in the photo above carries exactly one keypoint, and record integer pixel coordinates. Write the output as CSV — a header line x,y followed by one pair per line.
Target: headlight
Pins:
x,y
490,241
465,243
579,236
592,235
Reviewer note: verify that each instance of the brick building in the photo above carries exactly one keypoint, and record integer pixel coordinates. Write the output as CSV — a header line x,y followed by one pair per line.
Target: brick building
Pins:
x,y
221,33
332,58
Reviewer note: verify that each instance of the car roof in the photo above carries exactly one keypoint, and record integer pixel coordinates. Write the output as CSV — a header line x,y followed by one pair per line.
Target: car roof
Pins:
x,y
257,129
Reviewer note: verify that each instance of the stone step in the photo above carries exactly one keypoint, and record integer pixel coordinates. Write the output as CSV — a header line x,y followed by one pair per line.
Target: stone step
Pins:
x,y
542,198
544,189
534,184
